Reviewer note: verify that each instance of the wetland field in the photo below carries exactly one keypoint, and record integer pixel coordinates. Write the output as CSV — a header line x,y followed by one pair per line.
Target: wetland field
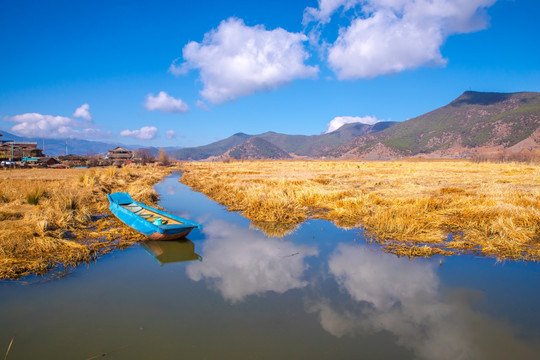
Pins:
x,y
413,208
59,217
297,260
54,217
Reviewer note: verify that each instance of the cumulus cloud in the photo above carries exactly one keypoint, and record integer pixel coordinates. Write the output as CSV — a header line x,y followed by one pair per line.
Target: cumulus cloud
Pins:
x,y
144,133
170,134
238,60
240,262
56,127
166,103
83,111
339,121
389,36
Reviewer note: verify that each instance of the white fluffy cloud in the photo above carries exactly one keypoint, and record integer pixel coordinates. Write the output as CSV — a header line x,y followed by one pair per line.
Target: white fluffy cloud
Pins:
x,y
339,121
389,36
55,127
238,60
166,103
83,111
144,133
240,262
171,134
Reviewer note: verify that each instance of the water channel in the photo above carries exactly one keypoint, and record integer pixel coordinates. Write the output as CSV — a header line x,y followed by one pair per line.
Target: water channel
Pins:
x,y
231,292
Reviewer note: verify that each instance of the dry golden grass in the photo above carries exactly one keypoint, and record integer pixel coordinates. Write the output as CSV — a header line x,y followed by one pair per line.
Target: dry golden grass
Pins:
x,y
415,208
52,217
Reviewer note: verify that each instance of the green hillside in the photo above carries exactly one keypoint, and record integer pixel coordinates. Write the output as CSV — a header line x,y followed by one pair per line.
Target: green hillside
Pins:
x,y
472,120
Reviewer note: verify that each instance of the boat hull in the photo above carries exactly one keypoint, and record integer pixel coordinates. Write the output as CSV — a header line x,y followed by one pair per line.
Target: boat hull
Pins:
x,y
161,236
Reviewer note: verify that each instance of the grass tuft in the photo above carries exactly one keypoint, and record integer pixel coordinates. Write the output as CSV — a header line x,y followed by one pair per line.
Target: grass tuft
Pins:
x,y
33,196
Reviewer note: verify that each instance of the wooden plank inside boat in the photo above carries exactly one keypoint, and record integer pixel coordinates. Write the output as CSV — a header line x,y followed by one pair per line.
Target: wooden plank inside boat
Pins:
x,y
150,215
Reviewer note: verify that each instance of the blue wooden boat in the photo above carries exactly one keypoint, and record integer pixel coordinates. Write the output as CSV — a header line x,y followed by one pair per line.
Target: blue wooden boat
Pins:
x,y
154,223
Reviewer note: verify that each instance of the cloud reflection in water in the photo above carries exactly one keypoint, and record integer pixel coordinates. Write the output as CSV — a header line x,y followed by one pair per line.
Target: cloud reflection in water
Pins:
x,y
171,190
404,298
240,262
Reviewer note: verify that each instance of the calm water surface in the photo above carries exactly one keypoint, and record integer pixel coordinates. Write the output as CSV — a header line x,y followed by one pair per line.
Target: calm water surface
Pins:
x,y
233,293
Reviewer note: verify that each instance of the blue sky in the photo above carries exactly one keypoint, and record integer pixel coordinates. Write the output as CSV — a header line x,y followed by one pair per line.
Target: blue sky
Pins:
x,y
187,73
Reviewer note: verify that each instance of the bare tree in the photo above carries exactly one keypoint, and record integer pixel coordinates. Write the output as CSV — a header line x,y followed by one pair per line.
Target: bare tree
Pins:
x,y
164,158
144,156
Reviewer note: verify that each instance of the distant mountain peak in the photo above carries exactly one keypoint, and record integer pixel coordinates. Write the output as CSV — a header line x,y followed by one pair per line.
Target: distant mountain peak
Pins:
x,y
255,148
480,98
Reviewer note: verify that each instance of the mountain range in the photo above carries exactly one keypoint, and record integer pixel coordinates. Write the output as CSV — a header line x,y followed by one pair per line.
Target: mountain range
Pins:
x,y
476,123
473,124
55,147
293,145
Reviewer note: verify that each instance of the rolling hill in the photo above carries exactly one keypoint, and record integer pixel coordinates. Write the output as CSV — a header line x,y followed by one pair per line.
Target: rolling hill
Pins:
x,y
214,149
255,148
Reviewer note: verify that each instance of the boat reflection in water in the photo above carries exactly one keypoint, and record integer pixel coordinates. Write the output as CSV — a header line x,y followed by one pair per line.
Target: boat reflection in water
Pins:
x,y
166,252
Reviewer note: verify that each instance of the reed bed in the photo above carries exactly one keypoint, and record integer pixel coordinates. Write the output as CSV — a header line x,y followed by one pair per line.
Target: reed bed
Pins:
x,y
413,208
59,217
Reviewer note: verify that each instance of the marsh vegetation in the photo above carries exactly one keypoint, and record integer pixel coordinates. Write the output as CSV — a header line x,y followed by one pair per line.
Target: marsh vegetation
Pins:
x,y
413,208
51,217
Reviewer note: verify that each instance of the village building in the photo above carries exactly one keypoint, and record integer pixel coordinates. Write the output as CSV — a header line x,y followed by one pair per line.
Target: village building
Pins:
x,y
16,150
74,160
48,161
119,153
